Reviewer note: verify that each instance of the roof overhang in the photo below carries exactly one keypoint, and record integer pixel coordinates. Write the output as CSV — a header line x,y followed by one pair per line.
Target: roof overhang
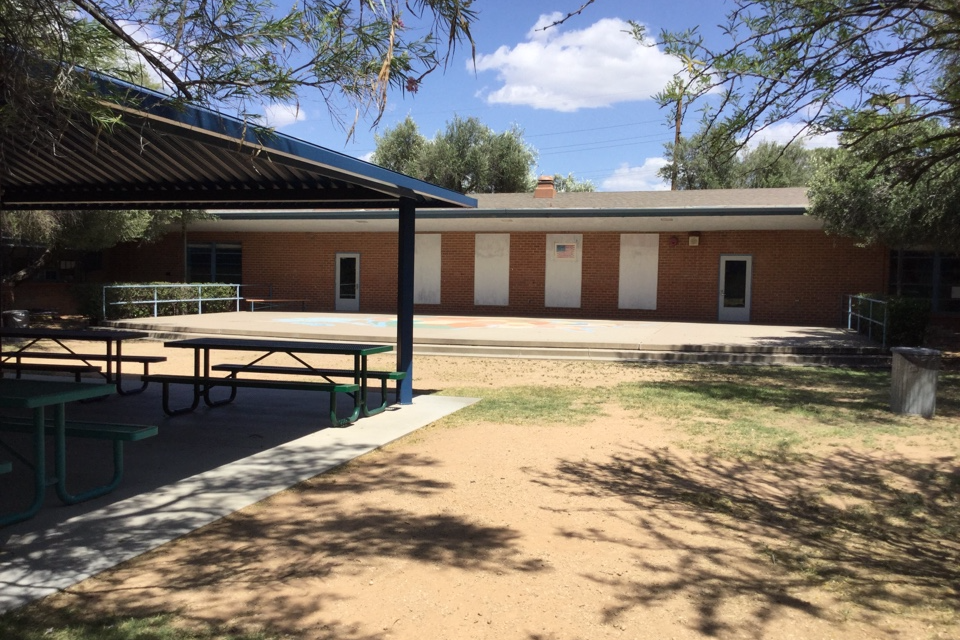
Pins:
x,y
165,155
502,221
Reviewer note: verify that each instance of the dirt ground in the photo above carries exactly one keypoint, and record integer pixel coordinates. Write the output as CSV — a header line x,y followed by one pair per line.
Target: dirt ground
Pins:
x,y
606,528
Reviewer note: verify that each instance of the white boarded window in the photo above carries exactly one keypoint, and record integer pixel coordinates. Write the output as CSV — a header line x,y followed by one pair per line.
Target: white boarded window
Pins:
x,y
426,269
491,269
564,270
639,266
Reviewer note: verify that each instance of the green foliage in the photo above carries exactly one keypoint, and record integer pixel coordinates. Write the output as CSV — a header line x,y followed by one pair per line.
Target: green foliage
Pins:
x,y
38,623
865,191
236,56
907,318
85,230
907,321
401,148
704,161
709,160
823,63
141,300
772,165
569,184
468,156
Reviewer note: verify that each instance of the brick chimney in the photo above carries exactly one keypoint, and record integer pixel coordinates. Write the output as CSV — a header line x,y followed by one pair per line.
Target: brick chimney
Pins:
x,y
545,188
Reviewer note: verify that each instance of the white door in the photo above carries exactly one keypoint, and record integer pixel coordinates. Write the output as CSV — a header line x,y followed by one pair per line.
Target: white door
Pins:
x,y
735,276
348,282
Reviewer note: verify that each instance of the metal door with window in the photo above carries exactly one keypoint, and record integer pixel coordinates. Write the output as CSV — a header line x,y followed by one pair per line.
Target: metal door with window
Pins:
x,y
348,282
735,276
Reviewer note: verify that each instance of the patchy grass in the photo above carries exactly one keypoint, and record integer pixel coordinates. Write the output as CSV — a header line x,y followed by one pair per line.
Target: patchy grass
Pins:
x,y
37,623
529,405
741,412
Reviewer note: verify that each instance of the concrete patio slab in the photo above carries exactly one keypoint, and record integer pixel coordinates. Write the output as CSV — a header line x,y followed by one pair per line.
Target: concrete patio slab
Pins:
x,y
529,336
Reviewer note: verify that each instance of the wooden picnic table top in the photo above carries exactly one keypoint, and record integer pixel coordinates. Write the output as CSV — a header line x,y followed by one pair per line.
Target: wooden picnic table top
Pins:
x,y
105,335
281,346
31,394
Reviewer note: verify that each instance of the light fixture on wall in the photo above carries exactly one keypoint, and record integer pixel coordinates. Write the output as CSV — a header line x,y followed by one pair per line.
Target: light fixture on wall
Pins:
x,y
674,241
693,239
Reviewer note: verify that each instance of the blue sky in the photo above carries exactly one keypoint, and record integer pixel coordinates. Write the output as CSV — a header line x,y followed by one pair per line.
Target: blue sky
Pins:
x,y
581,92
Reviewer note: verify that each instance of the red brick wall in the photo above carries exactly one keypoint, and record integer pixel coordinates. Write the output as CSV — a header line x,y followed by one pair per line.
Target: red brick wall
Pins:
x,y
799,277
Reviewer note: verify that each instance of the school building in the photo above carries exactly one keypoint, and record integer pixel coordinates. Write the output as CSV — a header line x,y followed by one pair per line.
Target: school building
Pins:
x,y
739,255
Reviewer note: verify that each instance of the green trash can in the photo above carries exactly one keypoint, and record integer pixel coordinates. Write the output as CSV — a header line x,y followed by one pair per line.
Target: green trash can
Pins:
x,y
914,381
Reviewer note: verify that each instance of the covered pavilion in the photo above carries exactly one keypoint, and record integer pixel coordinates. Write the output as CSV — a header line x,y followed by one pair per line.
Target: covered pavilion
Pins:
x,y
170,156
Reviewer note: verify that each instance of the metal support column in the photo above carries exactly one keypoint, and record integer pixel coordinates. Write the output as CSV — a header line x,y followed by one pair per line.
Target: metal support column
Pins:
x,y
407,238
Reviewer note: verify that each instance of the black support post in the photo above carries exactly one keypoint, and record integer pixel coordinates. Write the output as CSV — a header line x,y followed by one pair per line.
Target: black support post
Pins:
x,y
407,239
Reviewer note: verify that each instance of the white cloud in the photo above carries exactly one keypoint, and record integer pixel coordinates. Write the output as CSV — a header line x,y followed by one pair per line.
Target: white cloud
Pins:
x,y
281,115
784,132
569,70
144,37
642,178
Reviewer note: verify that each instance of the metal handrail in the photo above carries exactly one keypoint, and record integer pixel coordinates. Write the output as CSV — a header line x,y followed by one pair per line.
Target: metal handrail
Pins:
x,y
156,301
855,313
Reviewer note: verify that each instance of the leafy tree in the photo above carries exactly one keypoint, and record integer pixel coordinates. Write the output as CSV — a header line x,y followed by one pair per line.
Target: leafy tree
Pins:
x,y
46,233
236,55
861,191
467,156
703,161
570,184
771,165
401,148
708,160
826,62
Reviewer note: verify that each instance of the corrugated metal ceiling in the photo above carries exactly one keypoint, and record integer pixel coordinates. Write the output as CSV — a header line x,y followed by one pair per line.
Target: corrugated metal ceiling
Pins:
x,y
168,157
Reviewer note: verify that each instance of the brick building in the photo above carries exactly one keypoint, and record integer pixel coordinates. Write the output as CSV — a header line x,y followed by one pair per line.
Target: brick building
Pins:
x,y
748,255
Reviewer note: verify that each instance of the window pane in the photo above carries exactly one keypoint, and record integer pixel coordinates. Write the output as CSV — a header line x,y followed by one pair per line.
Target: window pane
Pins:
x,y
199,263
229,264
950,284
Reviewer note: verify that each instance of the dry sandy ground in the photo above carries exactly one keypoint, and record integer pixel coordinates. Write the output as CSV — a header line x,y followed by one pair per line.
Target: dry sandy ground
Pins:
x,y
603,529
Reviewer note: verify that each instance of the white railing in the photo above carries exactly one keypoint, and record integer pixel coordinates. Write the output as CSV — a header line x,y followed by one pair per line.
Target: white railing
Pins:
x,y
862,315
188,290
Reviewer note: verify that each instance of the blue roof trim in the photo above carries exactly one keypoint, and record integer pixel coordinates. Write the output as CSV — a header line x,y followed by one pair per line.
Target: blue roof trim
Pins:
x,y
149,103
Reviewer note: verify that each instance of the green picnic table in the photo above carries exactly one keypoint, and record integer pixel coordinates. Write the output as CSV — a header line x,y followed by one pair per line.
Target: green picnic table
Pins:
x,y
203,381
37,395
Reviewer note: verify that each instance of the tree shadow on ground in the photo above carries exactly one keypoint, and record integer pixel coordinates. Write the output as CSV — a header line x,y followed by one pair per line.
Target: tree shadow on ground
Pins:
x,y
878,533
797,387
299,537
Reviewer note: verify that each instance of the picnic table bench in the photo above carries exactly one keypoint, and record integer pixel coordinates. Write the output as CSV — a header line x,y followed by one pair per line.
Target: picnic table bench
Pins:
x,y
13,360
203,382
112,356
36,395
76,369
383,376
117,433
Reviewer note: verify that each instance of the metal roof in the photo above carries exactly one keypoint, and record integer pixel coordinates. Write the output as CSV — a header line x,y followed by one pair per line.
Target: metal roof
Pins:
x,y
171,156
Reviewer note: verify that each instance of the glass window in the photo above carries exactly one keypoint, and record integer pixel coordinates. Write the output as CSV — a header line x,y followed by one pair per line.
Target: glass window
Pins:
x,y
214,263
930,275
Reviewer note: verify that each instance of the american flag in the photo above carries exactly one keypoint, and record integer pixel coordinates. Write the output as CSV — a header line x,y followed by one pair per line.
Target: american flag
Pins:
x,y
565,251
